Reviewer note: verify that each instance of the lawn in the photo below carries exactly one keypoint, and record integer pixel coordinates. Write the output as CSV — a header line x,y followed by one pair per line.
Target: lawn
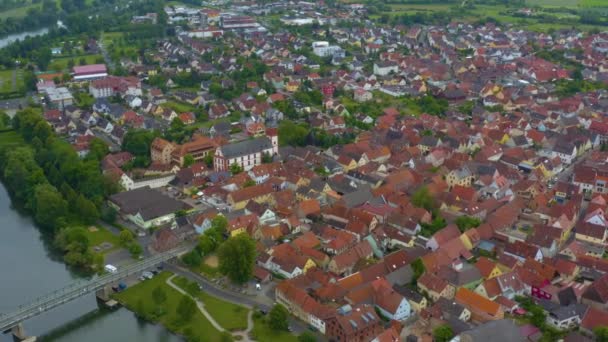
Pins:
x,y
10,84
179,107
139,299
230,316
263,332
10,139
61,64
98,235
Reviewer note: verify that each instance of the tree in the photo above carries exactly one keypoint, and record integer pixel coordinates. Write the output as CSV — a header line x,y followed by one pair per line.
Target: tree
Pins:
x,y
126,237
266,158
98,149
135,249
538,316
237,257
307,336
601,334
50,208
185,309
418,268
5,120
292,134
278,318
192,258
87,211
248,183
465,222
208,160
235,169
443,333
423,199
188,160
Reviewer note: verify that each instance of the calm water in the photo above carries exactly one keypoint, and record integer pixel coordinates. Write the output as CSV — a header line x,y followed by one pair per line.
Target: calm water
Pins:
x,y
20,36
29,268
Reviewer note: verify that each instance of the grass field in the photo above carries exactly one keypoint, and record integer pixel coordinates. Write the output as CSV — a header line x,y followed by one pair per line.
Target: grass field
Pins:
x,y
101,235
61,64
179,107
139,299
11,80
10,139
230,316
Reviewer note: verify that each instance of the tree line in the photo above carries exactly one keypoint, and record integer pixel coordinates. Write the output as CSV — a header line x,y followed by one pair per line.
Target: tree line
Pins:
x,y
47,179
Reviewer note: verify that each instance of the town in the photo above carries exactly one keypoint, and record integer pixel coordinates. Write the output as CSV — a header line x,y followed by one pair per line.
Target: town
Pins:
x,y
338,175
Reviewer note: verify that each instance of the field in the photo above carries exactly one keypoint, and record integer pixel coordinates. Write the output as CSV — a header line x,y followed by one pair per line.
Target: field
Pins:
x,y
98,235
11,81
179,107
61,63
139,299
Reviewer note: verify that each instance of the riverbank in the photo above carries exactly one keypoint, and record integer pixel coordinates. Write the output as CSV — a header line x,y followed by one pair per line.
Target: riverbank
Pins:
x,y
37,269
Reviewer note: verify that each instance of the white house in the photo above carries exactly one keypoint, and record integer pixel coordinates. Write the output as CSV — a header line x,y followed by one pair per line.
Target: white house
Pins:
x,y
383,68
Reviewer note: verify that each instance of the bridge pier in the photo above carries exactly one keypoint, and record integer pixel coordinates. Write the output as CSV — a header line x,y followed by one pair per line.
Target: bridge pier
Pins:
x,y
19,334
103,294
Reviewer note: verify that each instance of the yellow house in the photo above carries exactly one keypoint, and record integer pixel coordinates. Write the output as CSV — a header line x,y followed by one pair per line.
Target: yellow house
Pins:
x,y
470,238
504,139
487,268
462,176
347,163
259,193
435,287
591,233
308,265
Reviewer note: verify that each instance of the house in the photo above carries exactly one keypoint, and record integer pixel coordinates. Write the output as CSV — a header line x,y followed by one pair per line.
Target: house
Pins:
x,y
389,302
357,324
161,150
362,95
198,148
596,295
146,207
435,287
247,153
482,309
115,85
344,263
488,268
383,68
417,301
567,317
461,176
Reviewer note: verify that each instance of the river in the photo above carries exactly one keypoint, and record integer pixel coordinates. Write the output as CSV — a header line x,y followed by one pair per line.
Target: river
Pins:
x,y
30,269
20,36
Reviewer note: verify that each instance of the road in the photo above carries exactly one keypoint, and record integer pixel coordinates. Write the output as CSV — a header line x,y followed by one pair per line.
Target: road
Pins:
x,y
104,53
